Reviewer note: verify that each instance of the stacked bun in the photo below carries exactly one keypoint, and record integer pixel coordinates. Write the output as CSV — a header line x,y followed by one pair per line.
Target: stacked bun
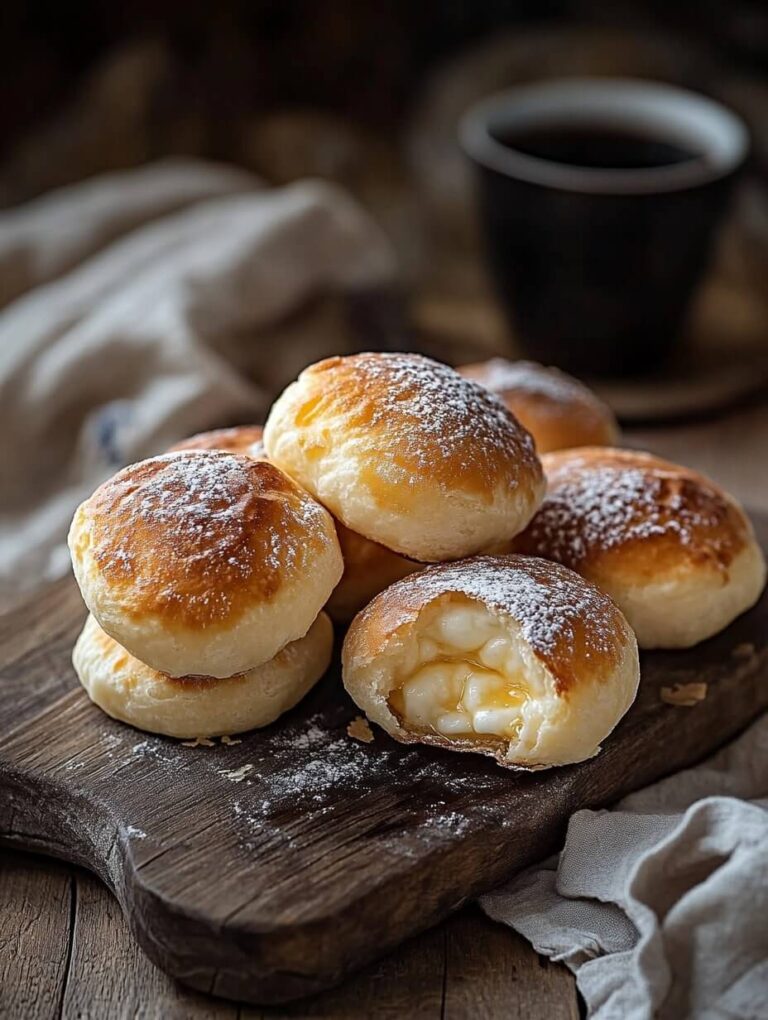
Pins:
x,y
519,659
202,564
407,453
205,567
368,567
199,706
498,604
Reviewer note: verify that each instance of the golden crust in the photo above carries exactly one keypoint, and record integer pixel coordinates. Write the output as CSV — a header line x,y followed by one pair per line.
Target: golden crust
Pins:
x,y
572,627
557,410
610,511
368,569
245,439
368,566
404,451
196,706
420,416
195,538
569,650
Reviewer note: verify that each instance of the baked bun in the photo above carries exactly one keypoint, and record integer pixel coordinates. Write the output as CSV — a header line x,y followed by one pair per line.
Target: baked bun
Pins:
x,y
368,566
676,553
368,569
128,690
512,656
404,451
245,439
204,563
555,408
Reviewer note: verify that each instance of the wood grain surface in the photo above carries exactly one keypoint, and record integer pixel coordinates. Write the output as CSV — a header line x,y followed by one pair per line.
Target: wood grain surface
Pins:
x,y
268,869
66,952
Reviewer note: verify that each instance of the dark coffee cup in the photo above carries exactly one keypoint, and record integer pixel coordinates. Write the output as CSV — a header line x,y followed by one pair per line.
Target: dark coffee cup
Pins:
x,y
599,200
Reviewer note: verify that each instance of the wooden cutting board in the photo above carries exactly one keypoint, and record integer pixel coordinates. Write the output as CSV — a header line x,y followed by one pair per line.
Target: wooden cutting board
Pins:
x,y
268,869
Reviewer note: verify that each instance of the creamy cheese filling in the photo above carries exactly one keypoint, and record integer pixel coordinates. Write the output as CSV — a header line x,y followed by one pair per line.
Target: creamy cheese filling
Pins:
x,y
465,679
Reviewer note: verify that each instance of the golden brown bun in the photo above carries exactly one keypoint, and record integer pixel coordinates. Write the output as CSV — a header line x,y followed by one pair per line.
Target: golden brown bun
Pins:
x,y
368,569
558,410
512,656
245,439
204,562
185,707
676,553
405,452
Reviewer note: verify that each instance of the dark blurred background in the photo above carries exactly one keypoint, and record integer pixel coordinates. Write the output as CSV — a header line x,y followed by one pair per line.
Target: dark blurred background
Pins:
x,y
367,95
199,77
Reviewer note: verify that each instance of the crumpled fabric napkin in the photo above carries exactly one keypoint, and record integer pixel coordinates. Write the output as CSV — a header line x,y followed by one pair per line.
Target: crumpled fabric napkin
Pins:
x,y
129,301
660,905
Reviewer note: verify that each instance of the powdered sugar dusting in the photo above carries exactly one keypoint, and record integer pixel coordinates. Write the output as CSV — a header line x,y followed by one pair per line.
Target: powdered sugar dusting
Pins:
x,y
191,531
311,790
598,502
315,764
404,800
502,376
441,420
561,616
194,496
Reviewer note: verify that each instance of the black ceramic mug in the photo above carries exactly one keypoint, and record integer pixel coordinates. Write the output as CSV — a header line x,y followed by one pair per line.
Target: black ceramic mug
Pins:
x,y
599,200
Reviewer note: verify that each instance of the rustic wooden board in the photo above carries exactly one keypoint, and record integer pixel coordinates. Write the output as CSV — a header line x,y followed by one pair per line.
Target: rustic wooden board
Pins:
x,y
271,868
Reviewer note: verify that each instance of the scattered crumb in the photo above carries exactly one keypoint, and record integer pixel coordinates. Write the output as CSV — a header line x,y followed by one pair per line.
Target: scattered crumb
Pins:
x,y
743,651
229,742
198,742
359,729
135,832
236,775
686,695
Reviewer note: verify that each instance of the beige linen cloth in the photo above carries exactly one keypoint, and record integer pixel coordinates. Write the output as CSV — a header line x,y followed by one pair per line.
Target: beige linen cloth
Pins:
x,y
129,305
660,906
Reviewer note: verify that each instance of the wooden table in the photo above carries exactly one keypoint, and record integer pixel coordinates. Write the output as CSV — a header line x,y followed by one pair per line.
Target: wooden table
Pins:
x,y
66,951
